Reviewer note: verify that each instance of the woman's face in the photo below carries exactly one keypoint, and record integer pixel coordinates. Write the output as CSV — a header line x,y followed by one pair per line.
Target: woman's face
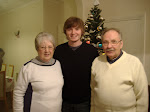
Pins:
x,y
45,51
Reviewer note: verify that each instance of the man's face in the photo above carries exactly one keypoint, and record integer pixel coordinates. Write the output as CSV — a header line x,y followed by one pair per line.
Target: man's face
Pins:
x,y
112,44
74,34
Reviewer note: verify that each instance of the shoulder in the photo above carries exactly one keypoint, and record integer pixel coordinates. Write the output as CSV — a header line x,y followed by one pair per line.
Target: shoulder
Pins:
x,y
57,62
90,48
27,67
57,65
99,63
131,58
62,45
101,59
92,51
59,51
132,61
27,63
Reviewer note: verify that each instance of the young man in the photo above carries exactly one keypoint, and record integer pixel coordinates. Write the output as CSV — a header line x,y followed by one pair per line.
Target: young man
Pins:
x,y
76,59
118,82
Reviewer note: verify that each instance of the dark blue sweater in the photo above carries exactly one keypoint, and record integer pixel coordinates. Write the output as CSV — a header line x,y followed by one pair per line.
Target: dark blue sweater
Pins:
x,y
76,68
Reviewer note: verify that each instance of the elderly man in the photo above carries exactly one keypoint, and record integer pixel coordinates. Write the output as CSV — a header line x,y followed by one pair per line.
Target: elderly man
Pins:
x,y
119,82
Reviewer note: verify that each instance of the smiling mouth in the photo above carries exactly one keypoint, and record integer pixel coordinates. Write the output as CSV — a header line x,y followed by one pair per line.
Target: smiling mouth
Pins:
x,y
73,37
46,54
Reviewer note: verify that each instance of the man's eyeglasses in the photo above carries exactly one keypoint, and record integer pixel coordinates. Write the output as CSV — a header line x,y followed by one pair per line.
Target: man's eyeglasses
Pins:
x,y
113,42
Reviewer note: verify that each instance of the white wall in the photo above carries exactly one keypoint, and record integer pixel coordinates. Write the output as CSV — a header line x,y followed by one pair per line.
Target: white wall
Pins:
x,y
53,16
29,20
70,9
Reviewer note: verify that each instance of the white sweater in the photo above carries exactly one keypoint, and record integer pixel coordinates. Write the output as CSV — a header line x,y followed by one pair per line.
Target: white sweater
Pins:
x,y
46,81
119,87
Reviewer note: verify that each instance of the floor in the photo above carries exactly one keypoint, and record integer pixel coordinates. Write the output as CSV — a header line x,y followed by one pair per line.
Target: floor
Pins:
x,y
2,104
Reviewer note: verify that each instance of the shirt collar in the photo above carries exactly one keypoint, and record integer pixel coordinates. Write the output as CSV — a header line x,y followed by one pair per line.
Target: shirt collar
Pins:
x,y
112,61
37,60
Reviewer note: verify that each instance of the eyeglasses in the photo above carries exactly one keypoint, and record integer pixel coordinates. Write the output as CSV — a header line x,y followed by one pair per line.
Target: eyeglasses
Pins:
x,y
113,42
44,48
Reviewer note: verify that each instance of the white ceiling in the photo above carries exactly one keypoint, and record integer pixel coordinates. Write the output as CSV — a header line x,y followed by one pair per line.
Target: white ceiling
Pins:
x,y
7,5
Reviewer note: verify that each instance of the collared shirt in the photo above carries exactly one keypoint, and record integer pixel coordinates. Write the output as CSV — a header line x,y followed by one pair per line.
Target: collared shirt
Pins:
x,y
113,60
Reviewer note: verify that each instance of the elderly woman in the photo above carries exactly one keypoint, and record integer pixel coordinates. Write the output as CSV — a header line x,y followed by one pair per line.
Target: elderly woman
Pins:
x,y
40,81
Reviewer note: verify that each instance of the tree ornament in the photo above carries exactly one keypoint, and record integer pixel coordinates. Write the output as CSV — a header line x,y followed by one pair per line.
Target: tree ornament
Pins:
x,y
88,23
86,26
88,42
89,38
91,19
101,18
82,38
94,44
98,37
91,31
99,45
86,33
99,28
91,15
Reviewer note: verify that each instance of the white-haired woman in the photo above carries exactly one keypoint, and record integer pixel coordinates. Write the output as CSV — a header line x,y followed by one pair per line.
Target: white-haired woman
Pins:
x,y
40,81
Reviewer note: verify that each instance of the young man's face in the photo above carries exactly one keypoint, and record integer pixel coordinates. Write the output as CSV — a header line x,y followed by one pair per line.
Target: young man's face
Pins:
x,y
74,34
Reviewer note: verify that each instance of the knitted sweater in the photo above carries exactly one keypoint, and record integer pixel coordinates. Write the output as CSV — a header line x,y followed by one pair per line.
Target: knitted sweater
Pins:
x,y
39,88
119,87
76,68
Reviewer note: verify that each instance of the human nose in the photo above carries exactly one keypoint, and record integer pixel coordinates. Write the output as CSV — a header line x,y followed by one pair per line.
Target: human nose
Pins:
x,y
109,45
73,31
46,49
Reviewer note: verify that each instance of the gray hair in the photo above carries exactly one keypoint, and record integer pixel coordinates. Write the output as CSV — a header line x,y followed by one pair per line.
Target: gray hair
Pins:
x,y
114,29
44,36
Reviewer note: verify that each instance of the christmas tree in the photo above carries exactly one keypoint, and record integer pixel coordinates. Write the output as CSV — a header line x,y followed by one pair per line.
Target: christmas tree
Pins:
x,y
94,25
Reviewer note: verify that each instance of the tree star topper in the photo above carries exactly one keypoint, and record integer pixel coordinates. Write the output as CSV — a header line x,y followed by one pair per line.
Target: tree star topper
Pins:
x,y
96,2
